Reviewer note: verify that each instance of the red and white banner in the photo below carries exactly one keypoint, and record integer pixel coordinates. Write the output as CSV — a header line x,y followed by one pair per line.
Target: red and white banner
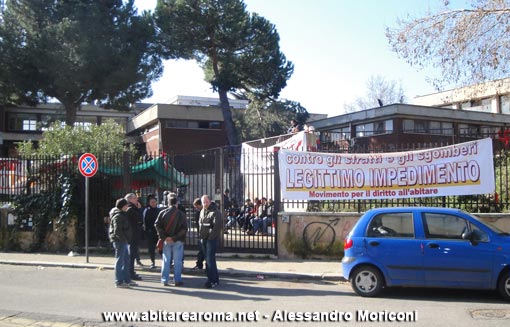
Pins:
x,y
260,160
460,169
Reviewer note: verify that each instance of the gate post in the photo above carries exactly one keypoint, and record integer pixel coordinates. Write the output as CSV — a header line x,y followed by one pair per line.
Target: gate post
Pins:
x,y
221,183
218,185
277,195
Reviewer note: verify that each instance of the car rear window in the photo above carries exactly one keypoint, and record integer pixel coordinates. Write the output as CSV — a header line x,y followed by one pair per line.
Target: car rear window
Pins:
x,y
394,224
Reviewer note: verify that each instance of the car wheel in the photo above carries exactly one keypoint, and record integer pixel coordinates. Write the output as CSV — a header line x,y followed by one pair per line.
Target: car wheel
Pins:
x,y
367,281
504,286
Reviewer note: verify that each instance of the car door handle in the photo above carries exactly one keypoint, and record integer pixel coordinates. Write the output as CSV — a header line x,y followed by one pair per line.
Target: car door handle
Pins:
x,y
433,245
373,243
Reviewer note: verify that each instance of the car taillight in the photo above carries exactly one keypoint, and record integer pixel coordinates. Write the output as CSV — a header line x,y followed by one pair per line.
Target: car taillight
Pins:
x,y
348,243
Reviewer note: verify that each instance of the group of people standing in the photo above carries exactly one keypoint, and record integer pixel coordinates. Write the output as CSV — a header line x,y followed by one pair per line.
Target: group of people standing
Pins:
x,y
167,225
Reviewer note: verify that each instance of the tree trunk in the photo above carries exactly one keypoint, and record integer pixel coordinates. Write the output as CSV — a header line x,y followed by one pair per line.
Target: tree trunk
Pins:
x,y
70,109
230,129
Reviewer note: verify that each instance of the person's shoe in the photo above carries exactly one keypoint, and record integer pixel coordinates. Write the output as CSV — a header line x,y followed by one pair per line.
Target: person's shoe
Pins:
x,y
177,284
121,285
136,277
131,283
213,285
153,266
139,263
208,285
197,267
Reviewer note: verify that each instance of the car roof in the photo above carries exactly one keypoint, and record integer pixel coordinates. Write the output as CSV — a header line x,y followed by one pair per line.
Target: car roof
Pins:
x,y
407,209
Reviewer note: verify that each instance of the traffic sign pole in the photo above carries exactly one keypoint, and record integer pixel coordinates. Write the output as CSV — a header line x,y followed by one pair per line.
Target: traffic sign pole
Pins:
x,y
87,219
87,165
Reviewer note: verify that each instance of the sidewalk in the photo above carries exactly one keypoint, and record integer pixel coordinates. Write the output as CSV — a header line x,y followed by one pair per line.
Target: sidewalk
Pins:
x,y
228,265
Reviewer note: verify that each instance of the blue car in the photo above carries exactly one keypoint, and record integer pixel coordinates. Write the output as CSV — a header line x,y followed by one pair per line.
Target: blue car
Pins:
x,y
425,247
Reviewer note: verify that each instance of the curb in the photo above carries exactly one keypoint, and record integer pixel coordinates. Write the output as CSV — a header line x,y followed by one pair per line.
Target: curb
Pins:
x,y
228,272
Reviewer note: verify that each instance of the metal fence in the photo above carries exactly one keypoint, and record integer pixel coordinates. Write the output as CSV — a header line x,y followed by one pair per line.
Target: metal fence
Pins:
x,y
247,172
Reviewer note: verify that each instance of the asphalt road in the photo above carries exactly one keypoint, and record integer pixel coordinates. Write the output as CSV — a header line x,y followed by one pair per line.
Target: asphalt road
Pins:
x,y
80,296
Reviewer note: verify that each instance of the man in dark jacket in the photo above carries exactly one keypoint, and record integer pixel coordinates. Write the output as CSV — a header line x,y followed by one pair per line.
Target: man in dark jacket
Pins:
x,y
120,236
135,219
211,224
150,213
172,228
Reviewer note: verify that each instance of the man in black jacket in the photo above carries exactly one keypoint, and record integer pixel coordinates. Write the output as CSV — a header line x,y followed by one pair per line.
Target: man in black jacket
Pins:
x,y
211,225
120,236
135,219
172,227
150,213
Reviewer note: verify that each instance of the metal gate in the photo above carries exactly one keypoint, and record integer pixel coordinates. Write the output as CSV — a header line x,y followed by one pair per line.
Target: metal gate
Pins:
x,y
218,173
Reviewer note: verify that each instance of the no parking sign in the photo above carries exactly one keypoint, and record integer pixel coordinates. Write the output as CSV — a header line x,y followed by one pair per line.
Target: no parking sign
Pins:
x,y
87,164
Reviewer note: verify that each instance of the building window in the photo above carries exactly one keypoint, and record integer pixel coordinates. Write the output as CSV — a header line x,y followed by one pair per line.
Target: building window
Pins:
x,y
421,126
408,125
447,128
428,127
22,122
29,124
336,135
484,105
489,131
384,127
176,124
469,130
215,125
192,124
344,133
435,127
375,128
363,130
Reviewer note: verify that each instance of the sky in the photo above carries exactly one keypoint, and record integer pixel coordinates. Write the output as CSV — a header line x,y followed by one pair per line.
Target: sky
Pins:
x,y
335,46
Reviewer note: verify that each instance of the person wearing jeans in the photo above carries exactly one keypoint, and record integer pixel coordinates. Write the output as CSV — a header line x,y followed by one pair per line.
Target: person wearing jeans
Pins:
x,y
172,251
211,224
135,219
120,235
209,247
122,275
172,228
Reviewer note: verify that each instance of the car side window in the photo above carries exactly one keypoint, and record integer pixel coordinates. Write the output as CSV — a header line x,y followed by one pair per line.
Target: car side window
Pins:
x,y
391,225
444,226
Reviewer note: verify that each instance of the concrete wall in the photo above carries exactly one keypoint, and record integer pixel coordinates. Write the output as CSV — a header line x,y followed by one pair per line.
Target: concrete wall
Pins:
x,y
313,234
321,235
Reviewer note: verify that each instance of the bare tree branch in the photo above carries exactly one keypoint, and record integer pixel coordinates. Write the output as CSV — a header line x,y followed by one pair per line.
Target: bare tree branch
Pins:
x,y
465,46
